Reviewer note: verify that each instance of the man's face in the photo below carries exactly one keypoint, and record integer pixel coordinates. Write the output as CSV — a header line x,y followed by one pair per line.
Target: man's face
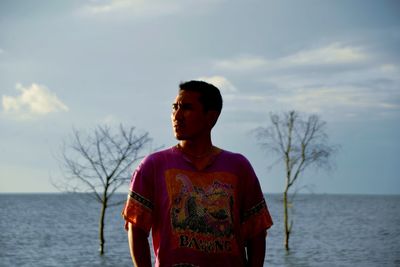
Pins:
x,y
189,121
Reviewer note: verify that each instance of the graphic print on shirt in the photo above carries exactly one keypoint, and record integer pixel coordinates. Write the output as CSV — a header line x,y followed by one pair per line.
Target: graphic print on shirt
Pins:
x,y
202,210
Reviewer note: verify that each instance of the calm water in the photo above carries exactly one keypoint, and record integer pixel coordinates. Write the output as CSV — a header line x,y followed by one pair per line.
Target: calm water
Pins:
x,y
329,230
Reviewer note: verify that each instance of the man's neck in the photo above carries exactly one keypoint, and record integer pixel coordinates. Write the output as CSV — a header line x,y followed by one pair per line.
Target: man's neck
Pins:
x,y
196,148
200,154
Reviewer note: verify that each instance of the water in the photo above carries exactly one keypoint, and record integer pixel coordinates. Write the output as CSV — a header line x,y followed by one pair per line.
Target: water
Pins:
x,y
338,230
329,230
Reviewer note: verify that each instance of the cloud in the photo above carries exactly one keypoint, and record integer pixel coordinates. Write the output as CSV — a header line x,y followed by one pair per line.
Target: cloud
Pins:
x,y
345,99
334,79
233,98
220,82
329,55
241,63
389,69
109,120
135,7
143,8
335,53
238,104
371,90
35,100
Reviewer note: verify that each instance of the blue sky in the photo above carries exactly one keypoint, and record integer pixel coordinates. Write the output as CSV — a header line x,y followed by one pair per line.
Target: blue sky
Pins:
x,y
79,64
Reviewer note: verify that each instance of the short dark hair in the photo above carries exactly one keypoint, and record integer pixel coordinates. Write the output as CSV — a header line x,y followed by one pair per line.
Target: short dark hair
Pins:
x,y
210,96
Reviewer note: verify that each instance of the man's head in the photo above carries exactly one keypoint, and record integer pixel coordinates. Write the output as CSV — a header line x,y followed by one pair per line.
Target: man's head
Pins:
x,y
196,110
210,96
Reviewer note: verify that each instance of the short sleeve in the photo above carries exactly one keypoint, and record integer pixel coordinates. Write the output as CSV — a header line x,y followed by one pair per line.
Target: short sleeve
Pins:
x,y
255,217
139,206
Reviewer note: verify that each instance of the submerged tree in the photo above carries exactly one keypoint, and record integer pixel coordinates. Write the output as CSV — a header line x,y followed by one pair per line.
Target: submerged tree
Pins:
x,y
100,163
300,144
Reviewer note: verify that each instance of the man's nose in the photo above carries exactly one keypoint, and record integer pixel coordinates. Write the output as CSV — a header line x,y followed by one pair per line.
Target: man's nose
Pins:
x,y
177,114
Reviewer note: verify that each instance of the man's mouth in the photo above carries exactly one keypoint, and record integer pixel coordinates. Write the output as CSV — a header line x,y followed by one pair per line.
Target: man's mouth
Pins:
x,y
178,126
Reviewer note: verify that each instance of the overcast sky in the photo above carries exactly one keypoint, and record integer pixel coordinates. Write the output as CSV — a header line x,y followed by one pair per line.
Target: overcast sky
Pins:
x,y
66,64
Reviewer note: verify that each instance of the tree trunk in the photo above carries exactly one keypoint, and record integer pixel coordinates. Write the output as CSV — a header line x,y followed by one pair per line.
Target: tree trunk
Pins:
x,y
101,223
286,218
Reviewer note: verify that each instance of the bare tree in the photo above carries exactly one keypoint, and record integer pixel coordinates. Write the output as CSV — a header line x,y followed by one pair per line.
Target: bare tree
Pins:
x,y
300,144
100,163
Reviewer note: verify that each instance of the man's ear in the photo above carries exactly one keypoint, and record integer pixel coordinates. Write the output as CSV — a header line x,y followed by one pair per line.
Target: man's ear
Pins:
x,y
212,116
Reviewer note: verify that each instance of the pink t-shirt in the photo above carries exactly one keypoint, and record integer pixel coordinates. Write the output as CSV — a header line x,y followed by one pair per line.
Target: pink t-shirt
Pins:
x,y
197,218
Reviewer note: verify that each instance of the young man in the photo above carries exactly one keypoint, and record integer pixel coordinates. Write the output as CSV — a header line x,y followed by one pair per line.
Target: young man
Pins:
x,y
203,205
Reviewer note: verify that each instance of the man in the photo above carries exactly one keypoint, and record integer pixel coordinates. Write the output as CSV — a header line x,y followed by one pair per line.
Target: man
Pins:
x,y
203,205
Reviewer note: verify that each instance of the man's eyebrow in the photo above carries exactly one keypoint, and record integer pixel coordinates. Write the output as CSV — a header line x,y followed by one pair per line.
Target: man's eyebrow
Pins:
x,y
186,105
182,105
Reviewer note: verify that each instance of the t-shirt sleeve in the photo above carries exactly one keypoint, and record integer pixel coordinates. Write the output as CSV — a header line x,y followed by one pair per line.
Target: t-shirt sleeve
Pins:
x,y
139,206
255,217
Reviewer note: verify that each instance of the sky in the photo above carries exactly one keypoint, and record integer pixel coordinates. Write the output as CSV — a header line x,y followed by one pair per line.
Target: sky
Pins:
x,y
80,64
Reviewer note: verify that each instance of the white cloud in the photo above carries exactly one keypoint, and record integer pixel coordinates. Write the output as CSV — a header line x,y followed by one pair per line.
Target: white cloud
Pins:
x,y
109,120
34,100
332,54
221,83
135,7
389,69
334,79
339,100
234,99
143,8
241,63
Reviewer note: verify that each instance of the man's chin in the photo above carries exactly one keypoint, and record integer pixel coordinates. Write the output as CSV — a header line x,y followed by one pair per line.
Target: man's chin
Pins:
x,y
180,137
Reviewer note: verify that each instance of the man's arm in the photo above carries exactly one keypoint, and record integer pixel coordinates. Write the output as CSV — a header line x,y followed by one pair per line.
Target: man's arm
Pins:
x,y
256,250
139,246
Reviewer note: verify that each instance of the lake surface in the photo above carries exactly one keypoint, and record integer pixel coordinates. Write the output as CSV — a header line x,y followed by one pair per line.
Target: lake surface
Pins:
x,y
328,230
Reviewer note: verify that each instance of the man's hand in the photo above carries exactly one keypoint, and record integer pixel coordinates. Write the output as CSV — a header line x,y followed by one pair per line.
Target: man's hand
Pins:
x,y
139,246
256,250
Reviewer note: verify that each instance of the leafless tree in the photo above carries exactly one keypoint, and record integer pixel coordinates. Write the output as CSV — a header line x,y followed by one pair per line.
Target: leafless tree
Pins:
x,y
300,143
100,163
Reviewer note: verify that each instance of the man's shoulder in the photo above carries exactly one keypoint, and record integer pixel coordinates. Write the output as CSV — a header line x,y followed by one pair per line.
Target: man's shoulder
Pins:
x,y
164,151
161,154
157,158
232,155
236,162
